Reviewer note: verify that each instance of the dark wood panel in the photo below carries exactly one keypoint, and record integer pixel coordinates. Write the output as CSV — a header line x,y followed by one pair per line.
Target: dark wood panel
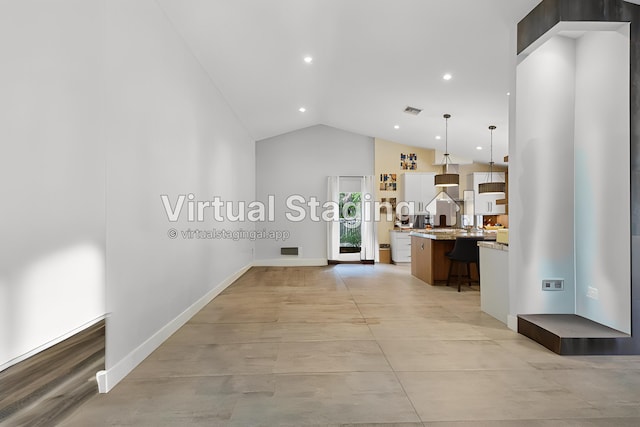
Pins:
x,y
565,342
550,12
539,335
537,22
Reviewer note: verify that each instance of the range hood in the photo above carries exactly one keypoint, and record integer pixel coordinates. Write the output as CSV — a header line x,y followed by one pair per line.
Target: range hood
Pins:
x,y
444,210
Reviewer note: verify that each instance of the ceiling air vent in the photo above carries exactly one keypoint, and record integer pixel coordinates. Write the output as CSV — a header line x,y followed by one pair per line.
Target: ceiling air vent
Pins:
x,y
412,110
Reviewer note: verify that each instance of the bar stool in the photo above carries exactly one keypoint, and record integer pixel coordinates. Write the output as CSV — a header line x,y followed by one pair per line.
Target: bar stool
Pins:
x,y
465,251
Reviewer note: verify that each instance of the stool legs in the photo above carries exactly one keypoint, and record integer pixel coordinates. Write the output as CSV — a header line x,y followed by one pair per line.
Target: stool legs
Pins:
x,y
468,277
458,273
450,270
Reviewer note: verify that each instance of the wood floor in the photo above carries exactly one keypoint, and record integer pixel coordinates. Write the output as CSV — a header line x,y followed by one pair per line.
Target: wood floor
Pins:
x,y
45,388
355,345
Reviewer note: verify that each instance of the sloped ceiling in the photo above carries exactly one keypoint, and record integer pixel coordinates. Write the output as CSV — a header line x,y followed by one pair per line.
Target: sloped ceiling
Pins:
x,y
371,59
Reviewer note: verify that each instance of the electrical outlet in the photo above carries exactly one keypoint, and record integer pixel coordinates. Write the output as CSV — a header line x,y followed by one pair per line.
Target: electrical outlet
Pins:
x,y
553,285
592,293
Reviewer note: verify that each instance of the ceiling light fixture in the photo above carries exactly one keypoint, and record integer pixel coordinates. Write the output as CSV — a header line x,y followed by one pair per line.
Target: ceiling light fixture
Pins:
x,y
302,109
396,127
478,148
491,187
447,76
446,179
438,137
308,59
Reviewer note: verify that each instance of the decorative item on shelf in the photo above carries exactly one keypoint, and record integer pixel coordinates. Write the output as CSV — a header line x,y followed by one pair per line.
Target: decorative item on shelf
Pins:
x,y
491,187
446,179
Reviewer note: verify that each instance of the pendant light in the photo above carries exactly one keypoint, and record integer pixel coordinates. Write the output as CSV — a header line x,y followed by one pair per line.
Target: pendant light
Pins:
x,y
446,179
491,187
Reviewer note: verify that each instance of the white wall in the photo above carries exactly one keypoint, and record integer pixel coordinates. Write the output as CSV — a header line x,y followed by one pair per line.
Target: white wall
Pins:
x,y
51,174
169,132
512,319
541,237
299,163
569,181
602,199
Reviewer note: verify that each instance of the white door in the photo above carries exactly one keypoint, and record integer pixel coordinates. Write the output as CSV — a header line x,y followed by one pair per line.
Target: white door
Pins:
x,y
352,237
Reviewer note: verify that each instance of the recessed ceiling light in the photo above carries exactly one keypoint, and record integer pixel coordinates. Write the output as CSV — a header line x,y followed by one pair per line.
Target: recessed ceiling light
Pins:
x,y
447,76
302,109
508,93
308,59
478,148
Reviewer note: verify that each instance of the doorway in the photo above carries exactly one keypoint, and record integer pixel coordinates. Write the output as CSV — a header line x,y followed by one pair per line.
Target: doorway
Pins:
x,y
350,224
351,236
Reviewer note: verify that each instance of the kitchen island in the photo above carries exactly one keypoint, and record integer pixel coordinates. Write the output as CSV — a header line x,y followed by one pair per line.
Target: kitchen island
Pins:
x,y
494,272
428,248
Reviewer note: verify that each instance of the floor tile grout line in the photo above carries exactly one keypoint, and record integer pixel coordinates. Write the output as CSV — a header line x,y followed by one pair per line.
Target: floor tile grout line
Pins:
x,y
386,358
253,374
337,373
561,383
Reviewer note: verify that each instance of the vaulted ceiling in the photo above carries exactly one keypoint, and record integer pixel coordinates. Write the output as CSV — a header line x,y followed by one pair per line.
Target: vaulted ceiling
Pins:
x,y
371,59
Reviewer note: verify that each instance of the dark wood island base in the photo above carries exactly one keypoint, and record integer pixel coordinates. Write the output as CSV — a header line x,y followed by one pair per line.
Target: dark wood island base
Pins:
x,y
429,261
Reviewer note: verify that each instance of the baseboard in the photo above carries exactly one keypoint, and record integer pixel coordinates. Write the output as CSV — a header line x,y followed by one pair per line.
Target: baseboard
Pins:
x,y
108,378
361,262
290,262
512,322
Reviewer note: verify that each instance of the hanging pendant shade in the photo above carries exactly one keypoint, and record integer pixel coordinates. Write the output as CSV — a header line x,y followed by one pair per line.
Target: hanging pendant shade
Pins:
x,y
446,179
491,187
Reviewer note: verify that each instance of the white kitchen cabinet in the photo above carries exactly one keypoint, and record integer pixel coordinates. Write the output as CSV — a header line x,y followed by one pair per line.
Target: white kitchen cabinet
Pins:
x,y
400,246
418,188
485,204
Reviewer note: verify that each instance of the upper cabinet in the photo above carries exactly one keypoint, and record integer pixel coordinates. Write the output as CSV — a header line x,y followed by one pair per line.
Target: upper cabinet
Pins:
x,y
486,204
418,188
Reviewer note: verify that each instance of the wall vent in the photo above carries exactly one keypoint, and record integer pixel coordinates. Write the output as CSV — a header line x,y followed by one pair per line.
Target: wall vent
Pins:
x,y
412,110
288,251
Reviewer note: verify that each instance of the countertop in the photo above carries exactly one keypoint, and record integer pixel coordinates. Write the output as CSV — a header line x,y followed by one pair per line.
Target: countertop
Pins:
x,y
404,230
451,234
494,245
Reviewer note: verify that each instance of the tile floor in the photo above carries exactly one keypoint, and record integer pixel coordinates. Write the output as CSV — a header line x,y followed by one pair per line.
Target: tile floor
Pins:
x,y
354,345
